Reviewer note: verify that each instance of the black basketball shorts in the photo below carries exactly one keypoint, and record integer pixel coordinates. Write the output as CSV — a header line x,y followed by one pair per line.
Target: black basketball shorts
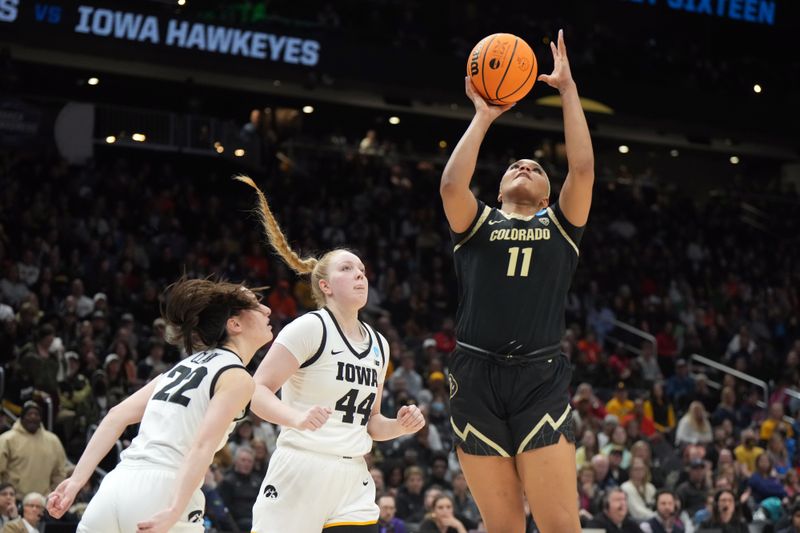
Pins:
x,y
506,409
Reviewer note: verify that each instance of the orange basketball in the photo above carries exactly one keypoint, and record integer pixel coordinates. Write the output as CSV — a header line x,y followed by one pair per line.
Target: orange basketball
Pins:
x,y
502,68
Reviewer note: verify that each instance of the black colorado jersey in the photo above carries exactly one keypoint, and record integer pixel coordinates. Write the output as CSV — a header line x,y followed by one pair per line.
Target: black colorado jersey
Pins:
x,y
513,277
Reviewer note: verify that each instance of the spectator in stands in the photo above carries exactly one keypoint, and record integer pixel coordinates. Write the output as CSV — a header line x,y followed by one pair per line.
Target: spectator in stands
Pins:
x,y
215,510
775,422
725,514
659,407
640,491
602,475
726,408
32,512
462,499
446,337
618,443
778,454
667,347
587,449
438,473
40,360
589,493
741,344
791,483
588,406
239,488
619,405
442,519
645,424
83,304
260,456
763,482
794,512
387,521
153,364
747,452
694,427
693,491
31,458
407,372
410,497
379,479
614,518
680,386
8,504
13,290
665,519
615,470
648,365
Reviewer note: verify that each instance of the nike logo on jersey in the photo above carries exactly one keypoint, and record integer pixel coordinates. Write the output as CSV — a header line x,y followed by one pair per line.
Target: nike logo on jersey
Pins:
x,y
493,222
365,483
335,352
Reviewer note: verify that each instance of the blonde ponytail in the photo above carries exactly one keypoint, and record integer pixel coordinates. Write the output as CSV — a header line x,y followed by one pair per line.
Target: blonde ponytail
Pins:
x,y
318,268
274,234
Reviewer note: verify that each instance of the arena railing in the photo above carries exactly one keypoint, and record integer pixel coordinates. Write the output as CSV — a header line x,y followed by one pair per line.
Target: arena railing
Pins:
x,y
636,332
719,367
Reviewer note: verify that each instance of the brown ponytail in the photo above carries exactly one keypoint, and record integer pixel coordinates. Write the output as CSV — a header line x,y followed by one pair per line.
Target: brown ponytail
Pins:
x,y
197,311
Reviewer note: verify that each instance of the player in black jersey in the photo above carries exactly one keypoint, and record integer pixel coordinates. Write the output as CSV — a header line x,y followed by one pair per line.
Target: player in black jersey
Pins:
x,y
508,379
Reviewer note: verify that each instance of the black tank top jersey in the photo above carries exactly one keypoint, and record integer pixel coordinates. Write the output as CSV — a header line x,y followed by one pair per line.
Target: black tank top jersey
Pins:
x,y
513,277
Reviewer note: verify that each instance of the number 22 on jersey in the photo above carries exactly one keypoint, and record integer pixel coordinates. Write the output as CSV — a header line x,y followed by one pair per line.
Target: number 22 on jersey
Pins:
x,y
514,253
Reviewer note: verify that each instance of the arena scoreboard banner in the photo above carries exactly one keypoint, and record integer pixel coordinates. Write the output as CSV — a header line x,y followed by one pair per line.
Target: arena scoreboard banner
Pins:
x,y
114,28
754,11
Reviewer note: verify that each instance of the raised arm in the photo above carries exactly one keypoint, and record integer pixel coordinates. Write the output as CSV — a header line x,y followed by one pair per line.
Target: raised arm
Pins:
x,y
460,205
108,432
576,194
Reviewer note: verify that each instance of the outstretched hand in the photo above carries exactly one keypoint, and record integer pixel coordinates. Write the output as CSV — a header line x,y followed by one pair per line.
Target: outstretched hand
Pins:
x,y
482,107
561,77
60,500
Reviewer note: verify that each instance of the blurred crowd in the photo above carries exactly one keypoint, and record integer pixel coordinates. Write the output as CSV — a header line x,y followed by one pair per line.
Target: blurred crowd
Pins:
x,y
666,444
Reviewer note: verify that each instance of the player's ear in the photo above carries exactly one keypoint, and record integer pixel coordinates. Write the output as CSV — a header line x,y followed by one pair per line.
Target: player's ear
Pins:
x,y
325,287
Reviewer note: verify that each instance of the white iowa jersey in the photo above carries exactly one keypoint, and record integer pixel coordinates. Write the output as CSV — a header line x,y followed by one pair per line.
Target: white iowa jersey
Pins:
x,y
333,373
176,409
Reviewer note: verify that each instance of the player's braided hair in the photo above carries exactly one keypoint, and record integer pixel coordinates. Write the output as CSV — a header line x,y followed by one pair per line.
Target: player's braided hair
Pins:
x,y
318,268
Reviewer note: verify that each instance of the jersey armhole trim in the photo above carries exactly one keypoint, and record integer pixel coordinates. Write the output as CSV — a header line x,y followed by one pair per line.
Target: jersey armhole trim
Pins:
x,y
553,217
218,374
378,341
475,228
311,360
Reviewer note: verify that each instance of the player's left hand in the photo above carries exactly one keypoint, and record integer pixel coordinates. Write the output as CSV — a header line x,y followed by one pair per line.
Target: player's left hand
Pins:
x,y
561,77
410,419
159,523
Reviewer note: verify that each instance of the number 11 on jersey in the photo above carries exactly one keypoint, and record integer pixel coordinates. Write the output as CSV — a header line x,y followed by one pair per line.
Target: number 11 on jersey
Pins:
x,y
527,253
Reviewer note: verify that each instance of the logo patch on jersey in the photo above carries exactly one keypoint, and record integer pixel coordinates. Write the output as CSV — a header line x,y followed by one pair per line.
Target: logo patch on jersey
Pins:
x,y
453,385
493,222
365,483
270,492
544,221
195,516
377,354
336,352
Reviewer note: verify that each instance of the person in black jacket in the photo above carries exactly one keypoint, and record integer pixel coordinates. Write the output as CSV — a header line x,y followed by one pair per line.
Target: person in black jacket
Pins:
x,y
614,518
239,488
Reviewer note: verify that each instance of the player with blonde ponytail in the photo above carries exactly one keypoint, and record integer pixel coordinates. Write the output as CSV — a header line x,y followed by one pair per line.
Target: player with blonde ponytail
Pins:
x,y
330,368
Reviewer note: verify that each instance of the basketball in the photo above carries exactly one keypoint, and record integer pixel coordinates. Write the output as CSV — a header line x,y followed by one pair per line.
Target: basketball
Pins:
x,y
502,68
